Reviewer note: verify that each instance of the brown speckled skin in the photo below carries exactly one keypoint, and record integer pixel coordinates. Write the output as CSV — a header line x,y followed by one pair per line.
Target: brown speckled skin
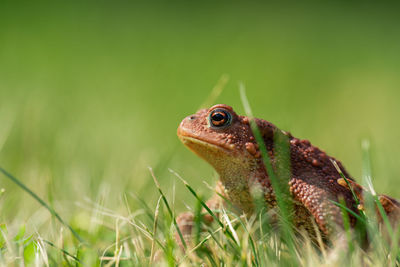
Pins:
x,y
235,155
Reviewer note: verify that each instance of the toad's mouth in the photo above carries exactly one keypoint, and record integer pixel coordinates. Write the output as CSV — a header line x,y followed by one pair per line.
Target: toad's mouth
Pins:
x,y
199,140
199,145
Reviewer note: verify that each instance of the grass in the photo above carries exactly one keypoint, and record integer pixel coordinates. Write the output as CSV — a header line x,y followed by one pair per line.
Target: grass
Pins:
x,y
146,237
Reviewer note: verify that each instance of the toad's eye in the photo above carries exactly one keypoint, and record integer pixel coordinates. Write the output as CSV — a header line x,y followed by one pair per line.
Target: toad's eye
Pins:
x,y
220,118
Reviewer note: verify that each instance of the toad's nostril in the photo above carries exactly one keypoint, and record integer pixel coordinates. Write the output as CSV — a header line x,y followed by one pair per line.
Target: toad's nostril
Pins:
x,y
192,118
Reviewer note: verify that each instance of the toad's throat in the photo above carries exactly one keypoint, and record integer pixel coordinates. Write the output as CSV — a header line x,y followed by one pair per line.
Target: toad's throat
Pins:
x,y
233,169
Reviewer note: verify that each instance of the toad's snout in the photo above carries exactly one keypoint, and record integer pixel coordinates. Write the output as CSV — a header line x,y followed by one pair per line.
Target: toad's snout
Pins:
x,y
186,125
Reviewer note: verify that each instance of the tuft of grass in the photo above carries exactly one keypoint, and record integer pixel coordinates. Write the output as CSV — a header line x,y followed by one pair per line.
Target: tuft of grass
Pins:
x,y
145,237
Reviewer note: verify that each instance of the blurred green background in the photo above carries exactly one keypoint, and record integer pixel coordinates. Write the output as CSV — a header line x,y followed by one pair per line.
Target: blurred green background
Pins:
x,y
91,94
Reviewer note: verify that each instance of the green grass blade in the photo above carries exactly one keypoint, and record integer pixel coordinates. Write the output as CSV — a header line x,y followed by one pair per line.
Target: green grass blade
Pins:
x,y
230,226
369,201
62,250
346,180
346,224
168,208
279,181
368,181
153,243
216,91
348,210
198,218
251,240
384,216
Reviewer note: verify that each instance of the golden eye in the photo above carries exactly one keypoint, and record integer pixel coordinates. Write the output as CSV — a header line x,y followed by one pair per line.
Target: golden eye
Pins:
x,y
220,118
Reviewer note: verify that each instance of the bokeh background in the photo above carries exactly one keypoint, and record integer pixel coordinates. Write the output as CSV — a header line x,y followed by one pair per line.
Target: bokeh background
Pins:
x,y
91,93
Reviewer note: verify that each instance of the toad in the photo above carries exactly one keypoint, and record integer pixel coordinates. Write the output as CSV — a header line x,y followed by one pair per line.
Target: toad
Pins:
x,y
226,141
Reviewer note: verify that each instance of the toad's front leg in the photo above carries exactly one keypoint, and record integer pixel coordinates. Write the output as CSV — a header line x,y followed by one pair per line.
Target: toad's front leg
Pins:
x,y
186,220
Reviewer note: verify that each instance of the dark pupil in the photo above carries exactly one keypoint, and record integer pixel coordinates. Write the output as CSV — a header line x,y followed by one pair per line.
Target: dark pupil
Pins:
x,y
218,117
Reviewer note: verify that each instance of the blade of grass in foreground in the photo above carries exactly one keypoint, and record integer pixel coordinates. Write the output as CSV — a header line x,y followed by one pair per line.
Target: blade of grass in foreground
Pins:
x,y
346,225
153,243
168,208
251,240
350,211
348,184
369,202
279,181
62,251
216,91
370,198
41,201
367,176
